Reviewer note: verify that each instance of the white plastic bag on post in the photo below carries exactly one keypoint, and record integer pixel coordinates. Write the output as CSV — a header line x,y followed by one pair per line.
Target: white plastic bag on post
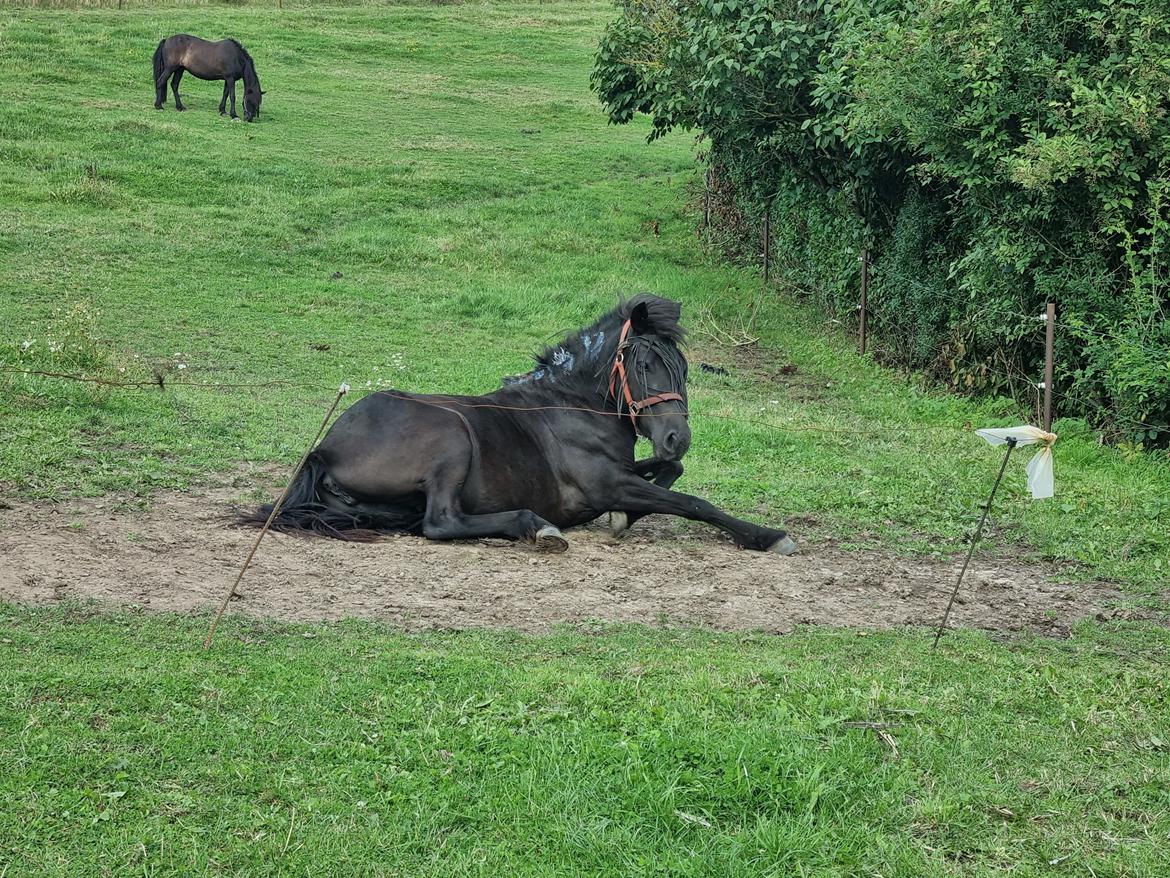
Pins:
x,y
1040,481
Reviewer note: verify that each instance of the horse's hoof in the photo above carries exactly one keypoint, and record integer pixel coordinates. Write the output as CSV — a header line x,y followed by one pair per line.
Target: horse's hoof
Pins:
x,y
783,546
619,523
550,539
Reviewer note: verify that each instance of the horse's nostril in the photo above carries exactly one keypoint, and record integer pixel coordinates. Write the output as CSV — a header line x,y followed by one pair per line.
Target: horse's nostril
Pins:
x,y
670,440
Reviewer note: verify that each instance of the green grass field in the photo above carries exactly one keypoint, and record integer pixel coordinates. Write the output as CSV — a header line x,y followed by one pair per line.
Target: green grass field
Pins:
x,y
346,750
432,193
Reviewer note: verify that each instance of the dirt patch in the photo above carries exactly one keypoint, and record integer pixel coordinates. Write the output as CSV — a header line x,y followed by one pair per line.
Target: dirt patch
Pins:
x,y
178,554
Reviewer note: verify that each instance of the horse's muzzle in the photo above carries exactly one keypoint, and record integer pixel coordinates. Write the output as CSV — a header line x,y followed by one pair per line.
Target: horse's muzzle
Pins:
x,y
673,445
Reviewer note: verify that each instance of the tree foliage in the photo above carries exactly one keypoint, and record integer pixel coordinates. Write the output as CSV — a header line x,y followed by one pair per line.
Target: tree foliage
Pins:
x,y
992,154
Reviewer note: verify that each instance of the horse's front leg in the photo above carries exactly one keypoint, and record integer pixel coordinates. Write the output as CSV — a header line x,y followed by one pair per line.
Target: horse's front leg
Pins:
x,y
175,88
223,100
663,473
231,87
639,496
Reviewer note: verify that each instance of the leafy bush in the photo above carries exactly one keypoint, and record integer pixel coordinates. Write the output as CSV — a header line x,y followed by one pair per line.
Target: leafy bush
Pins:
x,y
992,154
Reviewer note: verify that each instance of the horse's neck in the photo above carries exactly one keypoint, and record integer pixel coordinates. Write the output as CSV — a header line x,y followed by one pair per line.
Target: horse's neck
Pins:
x,y
550,395
250,78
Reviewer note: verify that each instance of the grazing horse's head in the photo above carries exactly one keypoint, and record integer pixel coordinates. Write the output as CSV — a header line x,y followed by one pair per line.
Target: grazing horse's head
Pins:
x,y
649,375
252,97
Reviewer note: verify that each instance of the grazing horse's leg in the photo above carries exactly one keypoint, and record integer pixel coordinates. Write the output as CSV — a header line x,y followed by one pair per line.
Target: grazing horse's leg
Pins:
x,y
175,88
640,496
663,473
160,87
223,100
231,87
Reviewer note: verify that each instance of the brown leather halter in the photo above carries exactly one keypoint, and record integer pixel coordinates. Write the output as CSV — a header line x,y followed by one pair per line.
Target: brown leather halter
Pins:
x,y
618,372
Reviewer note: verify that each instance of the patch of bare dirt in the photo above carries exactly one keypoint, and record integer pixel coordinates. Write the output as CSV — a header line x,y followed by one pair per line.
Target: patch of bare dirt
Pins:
x,y
179,554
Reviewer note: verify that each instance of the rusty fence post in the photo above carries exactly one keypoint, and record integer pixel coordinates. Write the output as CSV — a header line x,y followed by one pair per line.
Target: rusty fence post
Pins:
x,y
767,244
707,199
863,308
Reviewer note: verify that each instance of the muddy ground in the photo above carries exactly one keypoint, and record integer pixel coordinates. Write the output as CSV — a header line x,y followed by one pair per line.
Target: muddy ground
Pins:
x,y
178,554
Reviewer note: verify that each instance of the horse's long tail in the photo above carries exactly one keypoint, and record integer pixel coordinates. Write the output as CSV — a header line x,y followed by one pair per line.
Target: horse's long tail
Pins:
x,y
158,61
304,511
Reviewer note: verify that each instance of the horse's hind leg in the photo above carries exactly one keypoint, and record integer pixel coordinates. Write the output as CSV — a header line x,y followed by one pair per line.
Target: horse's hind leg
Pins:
x,y
160,88
663,473
445,519
175,88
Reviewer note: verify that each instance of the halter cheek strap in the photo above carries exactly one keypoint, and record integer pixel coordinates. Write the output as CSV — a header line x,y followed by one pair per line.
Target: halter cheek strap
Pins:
x,y
618,378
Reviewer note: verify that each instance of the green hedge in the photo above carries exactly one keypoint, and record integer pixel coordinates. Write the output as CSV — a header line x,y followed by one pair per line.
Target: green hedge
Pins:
x,y
992,154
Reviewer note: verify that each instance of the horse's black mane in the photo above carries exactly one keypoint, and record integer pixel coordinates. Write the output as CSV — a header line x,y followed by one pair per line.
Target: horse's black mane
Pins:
x,y
589,351
663,313
240,46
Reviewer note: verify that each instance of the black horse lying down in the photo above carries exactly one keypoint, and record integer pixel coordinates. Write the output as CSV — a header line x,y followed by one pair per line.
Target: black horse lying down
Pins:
x,y
553,451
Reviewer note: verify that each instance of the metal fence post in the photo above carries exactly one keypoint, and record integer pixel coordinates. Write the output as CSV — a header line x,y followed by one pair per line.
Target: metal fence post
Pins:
x,y
1049,344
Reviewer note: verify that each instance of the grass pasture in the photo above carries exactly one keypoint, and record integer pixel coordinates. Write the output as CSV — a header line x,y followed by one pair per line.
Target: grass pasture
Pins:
x,y
348,750
430,194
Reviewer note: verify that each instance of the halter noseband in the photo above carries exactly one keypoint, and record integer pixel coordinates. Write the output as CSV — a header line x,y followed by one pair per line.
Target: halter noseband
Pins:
x,y
618,373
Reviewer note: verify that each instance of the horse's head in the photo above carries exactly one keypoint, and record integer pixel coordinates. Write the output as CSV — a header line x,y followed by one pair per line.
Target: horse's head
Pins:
x,y
252,97
649,375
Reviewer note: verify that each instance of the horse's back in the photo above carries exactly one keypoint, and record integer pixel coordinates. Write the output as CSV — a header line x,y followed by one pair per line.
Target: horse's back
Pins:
x,y
204,59
192,40
387,443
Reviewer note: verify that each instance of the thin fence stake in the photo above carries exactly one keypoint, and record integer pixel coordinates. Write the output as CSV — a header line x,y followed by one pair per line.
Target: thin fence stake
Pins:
x,y
341,391
863,324
767,243
1011,443
1049,344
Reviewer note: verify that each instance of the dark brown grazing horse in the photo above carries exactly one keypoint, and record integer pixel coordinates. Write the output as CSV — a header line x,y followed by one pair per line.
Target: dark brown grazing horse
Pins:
x,y
553,451
225,59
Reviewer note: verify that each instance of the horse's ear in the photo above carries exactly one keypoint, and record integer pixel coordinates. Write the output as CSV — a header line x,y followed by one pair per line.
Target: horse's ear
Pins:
x,y
640,319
